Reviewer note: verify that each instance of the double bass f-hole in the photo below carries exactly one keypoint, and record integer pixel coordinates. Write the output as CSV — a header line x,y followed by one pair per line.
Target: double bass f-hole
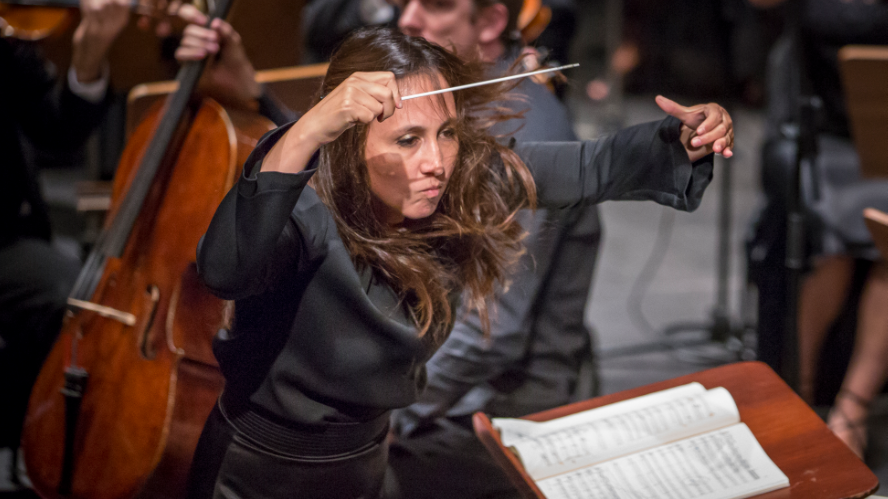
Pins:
x,y
149,307
146,346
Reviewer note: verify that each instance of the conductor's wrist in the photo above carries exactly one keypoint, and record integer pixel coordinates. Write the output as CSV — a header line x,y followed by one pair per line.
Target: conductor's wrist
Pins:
x,y
305,136
293,152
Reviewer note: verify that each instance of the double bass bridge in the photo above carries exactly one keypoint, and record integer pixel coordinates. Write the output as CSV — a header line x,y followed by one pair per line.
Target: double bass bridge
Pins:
x,y
108,312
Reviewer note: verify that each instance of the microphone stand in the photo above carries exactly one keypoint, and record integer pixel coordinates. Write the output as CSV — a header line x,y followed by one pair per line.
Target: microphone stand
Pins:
x,y
806,142
720,328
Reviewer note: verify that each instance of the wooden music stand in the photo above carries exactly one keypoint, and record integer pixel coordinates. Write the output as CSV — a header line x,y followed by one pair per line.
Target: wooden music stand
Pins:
x,y
817,463
864,73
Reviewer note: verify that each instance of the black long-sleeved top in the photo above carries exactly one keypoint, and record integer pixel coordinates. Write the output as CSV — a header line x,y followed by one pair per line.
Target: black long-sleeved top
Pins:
x,y
316,340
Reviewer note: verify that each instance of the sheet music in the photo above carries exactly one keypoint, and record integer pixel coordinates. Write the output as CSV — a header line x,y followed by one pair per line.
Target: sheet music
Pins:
x,y
614,434
727,463
515,430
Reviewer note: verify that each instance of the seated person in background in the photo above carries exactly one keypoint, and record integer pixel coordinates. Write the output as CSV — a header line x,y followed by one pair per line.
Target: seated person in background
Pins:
x,y
840,235
538,346
35,279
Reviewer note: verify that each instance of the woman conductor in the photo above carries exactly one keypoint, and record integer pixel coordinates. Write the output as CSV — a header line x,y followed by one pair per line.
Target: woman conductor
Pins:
x,y
350,236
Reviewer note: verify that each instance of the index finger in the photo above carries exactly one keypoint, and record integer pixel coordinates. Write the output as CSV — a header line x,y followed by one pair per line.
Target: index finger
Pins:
x,y
690,116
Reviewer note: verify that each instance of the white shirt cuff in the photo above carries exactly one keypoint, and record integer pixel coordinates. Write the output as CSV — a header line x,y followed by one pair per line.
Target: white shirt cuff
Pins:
x,y
93,91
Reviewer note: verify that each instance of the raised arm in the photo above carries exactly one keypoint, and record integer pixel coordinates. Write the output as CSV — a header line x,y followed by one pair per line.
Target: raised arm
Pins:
x,y
361,98
252,233
255,230
101,23
60,121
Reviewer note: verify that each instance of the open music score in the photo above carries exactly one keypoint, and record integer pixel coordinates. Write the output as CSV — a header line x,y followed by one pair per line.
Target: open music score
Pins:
x,y
681,442
816,463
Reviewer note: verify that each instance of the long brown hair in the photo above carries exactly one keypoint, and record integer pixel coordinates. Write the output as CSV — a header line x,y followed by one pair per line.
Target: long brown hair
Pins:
x,y
472,239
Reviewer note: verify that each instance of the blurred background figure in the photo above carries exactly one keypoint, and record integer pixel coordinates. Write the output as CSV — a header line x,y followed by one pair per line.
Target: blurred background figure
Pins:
x,y
835,194
539,350
49,111
325,23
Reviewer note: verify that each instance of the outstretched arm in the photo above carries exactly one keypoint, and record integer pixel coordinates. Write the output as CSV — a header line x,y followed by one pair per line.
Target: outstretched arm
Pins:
x,y
666,162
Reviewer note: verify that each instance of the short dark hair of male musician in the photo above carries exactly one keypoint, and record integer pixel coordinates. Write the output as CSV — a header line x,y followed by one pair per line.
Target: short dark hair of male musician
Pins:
x,y
463,24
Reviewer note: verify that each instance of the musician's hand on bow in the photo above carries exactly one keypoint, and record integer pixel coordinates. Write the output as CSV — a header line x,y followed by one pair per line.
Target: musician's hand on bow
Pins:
x,y
229,75
706,128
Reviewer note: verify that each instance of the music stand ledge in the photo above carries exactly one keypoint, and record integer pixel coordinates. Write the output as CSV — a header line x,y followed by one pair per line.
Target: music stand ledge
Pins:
x,y
817,463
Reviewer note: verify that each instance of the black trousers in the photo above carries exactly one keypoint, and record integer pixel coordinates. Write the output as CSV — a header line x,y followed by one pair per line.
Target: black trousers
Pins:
x,y
445,460
35,281
231,464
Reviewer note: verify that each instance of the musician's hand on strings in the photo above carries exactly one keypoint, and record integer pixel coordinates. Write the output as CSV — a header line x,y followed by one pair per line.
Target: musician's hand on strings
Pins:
x,y
229,75
361,98
101,22
706,128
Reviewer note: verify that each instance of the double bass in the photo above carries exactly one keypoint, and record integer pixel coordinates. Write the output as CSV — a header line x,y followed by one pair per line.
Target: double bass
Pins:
x,y
122,398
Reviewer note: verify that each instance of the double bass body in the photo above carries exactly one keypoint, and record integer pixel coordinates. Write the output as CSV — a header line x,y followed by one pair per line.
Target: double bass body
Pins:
x,y
152,380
